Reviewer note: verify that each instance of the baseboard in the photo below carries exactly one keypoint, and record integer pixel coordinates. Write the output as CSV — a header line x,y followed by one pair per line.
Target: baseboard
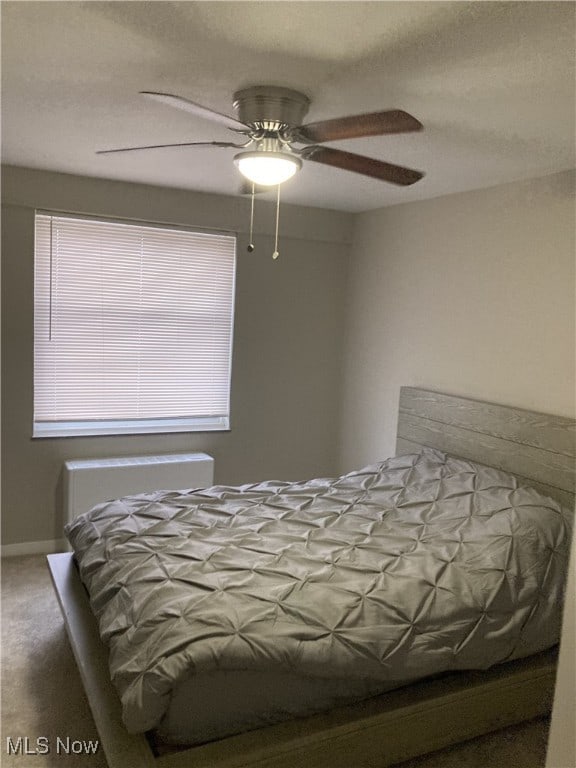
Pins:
x,y
34,548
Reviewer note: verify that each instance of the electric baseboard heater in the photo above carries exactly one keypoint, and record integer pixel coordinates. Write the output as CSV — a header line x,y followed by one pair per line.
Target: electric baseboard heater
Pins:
x,y
91,481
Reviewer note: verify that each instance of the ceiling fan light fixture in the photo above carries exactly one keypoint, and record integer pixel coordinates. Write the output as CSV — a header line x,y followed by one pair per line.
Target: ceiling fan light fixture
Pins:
x,y
267,168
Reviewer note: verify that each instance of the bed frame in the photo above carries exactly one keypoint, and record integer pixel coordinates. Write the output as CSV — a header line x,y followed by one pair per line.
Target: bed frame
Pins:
x,y
400,724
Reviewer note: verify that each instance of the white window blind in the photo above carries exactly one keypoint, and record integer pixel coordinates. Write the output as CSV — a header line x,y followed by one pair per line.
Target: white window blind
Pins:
x,y
133,327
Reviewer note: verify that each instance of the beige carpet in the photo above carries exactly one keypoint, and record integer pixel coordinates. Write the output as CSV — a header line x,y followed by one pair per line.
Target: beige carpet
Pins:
x,y
42,696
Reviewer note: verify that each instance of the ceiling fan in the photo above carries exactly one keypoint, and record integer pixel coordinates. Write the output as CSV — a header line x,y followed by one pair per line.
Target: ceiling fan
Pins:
x,y
270,120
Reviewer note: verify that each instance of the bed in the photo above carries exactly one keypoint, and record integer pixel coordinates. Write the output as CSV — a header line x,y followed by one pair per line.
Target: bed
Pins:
x,y
401,722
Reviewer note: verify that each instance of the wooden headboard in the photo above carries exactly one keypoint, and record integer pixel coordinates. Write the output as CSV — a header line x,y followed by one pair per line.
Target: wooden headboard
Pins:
x,y
536,447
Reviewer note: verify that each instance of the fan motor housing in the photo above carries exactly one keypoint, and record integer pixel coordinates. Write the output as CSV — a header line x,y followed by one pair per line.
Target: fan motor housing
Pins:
x,y
270,104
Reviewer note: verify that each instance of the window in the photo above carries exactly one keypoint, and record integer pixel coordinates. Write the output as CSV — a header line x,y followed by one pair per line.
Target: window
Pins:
x,y
132,327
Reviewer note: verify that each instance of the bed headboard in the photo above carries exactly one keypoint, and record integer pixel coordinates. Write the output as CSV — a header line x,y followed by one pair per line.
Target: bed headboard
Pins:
x,y
537,447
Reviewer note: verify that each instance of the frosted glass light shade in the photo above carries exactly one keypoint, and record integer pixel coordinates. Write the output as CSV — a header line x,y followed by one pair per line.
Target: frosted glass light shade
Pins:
x,y
267,168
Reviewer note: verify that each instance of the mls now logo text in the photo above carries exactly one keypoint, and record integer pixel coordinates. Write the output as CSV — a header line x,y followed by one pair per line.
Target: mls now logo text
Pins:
x,y
23,745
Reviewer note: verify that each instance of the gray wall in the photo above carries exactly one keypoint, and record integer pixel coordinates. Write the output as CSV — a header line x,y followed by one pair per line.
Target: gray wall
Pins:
x,y
471,294
287,343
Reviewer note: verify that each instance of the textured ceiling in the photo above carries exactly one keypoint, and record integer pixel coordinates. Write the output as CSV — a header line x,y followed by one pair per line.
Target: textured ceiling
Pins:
x,y
493,83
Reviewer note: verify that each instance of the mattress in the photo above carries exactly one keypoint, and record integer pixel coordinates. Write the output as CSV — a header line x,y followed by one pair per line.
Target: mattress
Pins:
x,y
407,568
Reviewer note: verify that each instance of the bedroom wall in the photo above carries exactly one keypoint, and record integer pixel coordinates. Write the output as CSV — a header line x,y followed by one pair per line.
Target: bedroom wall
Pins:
x,y
471,294
287,346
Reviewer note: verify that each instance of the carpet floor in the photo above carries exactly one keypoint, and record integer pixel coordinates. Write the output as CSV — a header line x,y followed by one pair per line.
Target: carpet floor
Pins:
x,y
43,698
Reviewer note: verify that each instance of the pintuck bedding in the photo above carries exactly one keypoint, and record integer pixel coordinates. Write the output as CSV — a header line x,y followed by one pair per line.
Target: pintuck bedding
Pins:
x,y
415,566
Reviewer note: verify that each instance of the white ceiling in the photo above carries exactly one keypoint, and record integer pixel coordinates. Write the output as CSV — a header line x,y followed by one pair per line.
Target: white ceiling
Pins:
x,y
493,83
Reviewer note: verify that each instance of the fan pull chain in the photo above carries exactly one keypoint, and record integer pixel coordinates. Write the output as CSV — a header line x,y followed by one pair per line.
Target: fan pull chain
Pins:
x,y
276,254
250,247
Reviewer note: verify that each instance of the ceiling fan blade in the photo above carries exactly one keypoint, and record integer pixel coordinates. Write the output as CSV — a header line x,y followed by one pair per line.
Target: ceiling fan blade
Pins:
x,y
367,166
163,146
357,126
196,109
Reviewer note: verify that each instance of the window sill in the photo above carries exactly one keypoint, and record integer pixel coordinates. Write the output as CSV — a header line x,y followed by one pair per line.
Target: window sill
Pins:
x,y
127,427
